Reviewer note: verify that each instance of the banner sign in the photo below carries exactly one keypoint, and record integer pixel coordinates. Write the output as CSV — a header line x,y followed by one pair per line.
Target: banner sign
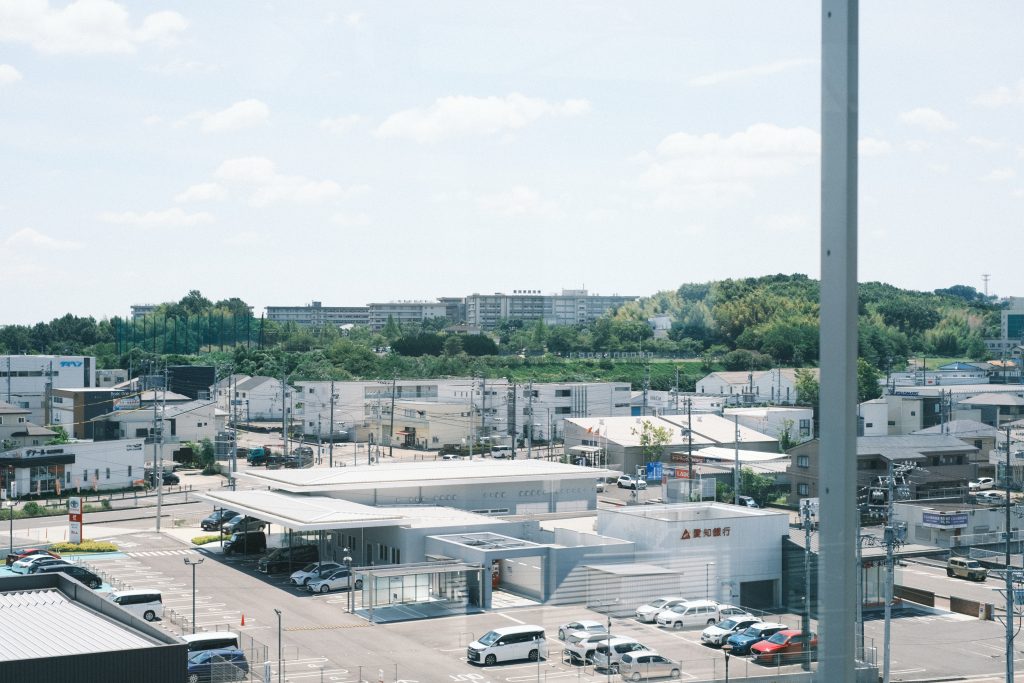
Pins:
x,y
75,520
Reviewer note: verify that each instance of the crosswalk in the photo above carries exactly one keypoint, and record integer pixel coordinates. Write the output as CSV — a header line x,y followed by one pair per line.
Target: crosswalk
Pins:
x,y
158,553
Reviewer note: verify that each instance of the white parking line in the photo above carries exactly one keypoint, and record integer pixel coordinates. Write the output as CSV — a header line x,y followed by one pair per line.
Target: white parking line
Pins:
x,y
511,618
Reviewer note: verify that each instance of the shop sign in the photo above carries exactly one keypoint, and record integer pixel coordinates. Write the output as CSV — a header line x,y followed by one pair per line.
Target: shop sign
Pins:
x,y
706,532
944,520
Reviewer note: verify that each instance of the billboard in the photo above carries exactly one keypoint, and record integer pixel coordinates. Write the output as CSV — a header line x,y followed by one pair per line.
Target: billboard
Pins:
x,y
75,519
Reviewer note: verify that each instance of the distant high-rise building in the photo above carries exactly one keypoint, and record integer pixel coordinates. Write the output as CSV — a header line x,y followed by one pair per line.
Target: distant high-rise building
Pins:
x,y
316,315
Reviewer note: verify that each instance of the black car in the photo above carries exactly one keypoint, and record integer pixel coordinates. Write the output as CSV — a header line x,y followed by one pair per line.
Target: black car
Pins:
x,y
74,571
242,543
284,559
45,562
170,479
217,519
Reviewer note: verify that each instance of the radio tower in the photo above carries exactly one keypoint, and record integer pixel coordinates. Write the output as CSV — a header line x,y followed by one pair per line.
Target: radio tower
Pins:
x,y
984,279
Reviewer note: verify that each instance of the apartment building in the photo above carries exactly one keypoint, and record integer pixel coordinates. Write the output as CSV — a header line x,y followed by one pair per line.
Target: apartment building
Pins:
x,y
315,314
27,381
571,307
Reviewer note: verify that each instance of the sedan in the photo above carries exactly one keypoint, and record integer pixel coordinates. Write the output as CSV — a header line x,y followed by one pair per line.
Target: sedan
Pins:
x,y
46,562
217,519
22,565
339,580
783,645
717,634
989,498
21,554
313,571
586,625
742,642
224,664
644,664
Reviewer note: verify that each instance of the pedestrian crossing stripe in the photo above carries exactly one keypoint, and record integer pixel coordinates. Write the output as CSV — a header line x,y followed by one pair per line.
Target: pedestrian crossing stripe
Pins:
x,y
156,553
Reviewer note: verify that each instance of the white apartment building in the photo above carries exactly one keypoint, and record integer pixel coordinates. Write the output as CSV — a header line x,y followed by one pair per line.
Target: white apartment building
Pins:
x,y
25,381
316,314
796,423
405,312
777,385
571,307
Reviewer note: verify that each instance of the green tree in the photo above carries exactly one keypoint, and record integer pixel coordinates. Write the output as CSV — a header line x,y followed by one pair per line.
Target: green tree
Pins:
x,y
452,345
391,330
757,486
867,381
807,389
60,437
653,439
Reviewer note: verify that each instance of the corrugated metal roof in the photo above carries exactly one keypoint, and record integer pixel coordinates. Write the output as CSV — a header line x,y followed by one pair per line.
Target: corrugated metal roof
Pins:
x,y
45,623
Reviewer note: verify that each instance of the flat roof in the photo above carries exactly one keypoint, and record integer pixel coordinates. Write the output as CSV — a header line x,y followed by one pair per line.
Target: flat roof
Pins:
x,y
687,512
729,454
418,473
300,512
630,569
44,623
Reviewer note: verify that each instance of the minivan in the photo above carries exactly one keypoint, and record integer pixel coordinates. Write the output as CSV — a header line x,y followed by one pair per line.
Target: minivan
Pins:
x,y
689,614
507,644
503,452
213,640
282,559
966,568
241,543
243,523
147,603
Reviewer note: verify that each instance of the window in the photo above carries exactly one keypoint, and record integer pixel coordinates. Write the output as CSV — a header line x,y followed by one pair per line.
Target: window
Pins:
x,y
108,473
802,489
129,471
869,424
805,427
563,410
97,472
803,461
563,393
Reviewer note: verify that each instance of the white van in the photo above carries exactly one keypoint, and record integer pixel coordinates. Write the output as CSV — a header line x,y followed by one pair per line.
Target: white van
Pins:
x,y
689,614
147,603
502,452
214,640
508,643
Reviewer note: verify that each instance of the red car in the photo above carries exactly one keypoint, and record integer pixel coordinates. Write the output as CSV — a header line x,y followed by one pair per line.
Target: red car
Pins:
x,y
14,557
787,645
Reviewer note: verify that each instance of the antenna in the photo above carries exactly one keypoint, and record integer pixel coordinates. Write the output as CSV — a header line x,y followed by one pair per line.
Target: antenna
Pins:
x,y
984,278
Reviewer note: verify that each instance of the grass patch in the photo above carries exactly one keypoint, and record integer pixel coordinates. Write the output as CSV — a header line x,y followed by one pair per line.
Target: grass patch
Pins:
x,y
84,547
203,540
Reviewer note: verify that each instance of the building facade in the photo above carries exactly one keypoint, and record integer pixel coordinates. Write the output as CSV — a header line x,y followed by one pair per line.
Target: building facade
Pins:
x,y
27,381
316,314
571,307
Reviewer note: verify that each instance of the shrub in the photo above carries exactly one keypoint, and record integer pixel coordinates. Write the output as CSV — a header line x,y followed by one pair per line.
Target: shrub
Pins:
x,y
84,547
33,509
203,540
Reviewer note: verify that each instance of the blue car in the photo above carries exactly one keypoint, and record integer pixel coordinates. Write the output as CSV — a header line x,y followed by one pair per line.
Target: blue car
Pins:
x,y
222,664
754,633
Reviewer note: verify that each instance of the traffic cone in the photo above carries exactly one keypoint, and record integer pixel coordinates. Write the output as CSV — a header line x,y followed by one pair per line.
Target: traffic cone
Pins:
x,y
243,618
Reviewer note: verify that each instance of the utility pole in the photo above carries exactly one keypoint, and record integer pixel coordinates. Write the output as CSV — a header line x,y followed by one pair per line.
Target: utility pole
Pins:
x,y
233,396
469,420
284,412
483,406
647,386
1009,571
330,447
529,418
391,429
889,568
159,469
689,443
736,464
806,518
512,424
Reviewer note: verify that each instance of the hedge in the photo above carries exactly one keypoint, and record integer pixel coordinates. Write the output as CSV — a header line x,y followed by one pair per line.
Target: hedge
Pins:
x,y
84,547
203,540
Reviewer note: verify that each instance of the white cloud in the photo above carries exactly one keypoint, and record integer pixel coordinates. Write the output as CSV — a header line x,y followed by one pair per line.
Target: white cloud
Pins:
x,y
463,115
751,71
169,218
1002,96
713,169
153,119
984,143
873,147
83,26
1000,175
270,187
203,192
351,220
8,74
930,119
917,145
244,114
517,201
33,239
341,124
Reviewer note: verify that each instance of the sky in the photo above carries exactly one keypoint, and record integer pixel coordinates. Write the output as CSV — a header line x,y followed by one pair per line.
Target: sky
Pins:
x,y
358,152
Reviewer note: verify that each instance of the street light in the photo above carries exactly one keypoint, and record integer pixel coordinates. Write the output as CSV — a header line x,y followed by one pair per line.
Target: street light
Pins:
x,y
194,564
347,561
727,650
707,576
280,658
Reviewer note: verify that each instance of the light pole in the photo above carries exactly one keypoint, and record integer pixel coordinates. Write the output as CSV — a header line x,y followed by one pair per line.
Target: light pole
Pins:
x,y
194,564
347,561
707,576
280,659
727,650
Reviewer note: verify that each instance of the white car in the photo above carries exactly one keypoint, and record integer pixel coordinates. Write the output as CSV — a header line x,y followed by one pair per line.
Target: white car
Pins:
x,y
339,580
587,625
647,613
600,485
627,481
581,645
990,498
22,565
718,633
981,484
312,571
689,614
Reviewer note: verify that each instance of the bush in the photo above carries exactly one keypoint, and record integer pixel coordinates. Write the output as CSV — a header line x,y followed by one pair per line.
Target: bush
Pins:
x,y
203,540
212,468
84,547
33,509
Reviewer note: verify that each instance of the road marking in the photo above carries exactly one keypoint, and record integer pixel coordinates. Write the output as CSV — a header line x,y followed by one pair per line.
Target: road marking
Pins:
x,y
511,618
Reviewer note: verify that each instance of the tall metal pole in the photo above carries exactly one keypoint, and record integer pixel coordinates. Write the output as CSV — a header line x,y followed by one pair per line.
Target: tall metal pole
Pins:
x,y
529,421
233,395
838,343
330,446
1009,572
158,464
805,517
280,657
284,412
689,444
890,537
736,463
469,422
391,429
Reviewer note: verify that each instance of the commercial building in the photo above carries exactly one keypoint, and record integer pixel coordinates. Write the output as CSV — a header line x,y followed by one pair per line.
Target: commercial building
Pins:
x,y
794,423
316,314
75,409
777,385
26,381
85,465
405,312
571,307
55,629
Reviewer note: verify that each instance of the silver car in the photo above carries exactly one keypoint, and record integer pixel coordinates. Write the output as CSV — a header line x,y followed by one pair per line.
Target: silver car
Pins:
x,y
644,664
609,653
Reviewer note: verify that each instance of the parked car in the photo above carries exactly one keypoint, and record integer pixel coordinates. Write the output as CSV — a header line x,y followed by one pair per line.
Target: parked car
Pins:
x,y
644,664
283,559
217,519
243,523
732,612
22,565
609,653
647,613
966,568
245,543
313,571
74,571
688,614
45,561
205,666
169,478
338,580
746,501
742,642
784,645
627,481
257,456
508,643
581,645
20,554
989,498
211,640
716,634
147,603
588,625
600,485
981,484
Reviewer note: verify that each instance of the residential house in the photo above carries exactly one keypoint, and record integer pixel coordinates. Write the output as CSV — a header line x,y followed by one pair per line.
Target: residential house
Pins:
x,y
17,430
777,385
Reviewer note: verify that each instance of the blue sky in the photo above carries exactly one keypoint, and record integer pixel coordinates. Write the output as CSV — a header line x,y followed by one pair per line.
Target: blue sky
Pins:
x,y
355,152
